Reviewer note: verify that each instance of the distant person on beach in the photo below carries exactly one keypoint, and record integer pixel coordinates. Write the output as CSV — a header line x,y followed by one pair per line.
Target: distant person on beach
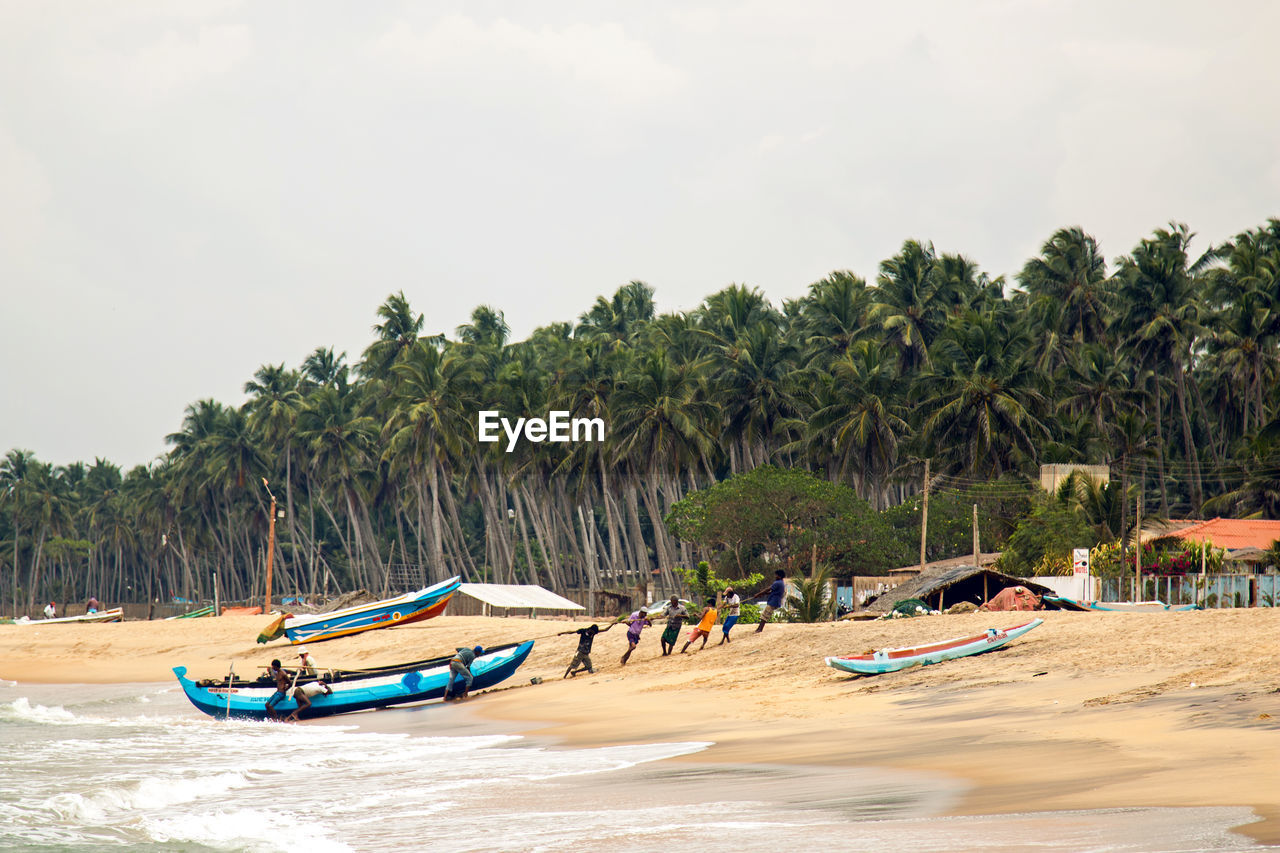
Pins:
x,y
304,693
308,665
460,668
582,660
283,683
675,613
777,590
636,623
731,608
50,610
704,626
92,605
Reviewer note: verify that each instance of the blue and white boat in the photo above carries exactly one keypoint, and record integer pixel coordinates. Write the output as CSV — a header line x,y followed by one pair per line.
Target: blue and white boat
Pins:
x,y
410,607
352,690
892,660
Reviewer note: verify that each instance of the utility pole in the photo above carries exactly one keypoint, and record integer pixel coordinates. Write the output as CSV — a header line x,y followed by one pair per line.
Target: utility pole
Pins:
x,y
924,515
1137,551
977,559
271,547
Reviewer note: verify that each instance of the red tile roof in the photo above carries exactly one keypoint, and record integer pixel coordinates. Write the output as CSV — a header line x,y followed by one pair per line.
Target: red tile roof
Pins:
x,y
1232,533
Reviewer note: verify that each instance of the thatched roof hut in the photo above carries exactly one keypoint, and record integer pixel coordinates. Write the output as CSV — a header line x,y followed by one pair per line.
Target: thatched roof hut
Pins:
x,y
940,588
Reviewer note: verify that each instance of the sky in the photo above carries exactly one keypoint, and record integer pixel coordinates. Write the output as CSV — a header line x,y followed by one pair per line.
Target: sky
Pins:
x,y
189,191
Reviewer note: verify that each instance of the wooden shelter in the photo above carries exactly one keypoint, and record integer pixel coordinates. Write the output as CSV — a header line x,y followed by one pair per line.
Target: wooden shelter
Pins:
x,y
940,588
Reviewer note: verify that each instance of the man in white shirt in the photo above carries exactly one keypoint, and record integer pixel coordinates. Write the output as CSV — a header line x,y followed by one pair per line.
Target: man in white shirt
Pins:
x,y
731,607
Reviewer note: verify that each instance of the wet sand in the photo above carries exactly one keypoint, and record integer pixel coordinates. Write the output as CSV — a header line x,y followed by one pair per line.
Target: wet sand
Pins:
x,y
1089,711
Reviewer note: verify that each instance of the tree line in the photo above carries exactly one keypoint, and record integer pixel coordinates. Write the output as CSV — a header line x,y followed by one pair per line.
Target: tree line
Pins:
x,y
1161,364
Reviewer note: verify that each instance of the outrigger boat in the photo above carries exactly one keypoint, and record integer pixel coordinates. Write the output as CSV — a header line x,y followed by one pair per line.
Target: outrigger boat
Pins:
x,y
353,690
1139,606
410,607
1064,603
116,614
892,660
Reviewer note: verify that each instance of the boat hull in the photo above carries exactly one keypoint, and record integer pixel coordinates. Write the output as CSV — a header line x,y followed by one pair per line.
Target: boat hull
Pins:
x,y
403,610
892,660
354,694
113,615
1138,606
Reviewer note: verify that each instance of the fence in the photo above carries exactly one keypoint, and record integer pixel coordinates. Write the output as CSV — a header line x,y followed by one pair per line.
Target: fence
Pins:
x,y
1210,591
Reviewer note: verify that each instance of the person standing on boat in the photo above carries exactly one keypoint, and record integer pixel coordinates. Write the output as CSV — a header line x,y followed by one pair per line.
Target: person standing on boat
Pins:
x,y
676,613
50,610
704,626
283,685
731,608
582,660
92,605
636,623
460,668
304,694
307,665
777,590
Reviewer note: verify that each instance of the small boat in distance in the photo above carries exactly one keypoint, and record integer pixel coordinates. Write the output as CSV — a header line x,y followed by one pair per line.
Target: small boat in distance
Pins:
x,y
401,610
1138,606
892,660
116,614
1064,603
352,690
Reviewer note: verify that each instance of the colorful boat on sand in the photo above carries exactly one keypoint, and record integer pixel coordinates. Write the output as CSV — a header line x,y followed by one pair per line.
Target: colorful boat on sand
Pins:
x,y
353,690
116,614
892,660
1064,603
192,614
411,607
1138,606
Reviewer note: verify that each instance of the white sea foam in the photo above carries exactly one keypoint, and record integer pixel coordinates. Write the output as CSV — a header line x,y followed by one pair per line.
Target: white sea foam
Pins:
x,y
22,709
6,683
149,793
247,829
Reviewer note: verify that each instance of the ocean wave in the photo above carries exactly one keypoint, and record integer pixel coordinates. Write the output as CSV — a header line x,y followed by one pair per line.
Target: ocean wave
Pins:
x,y
21,709
153,793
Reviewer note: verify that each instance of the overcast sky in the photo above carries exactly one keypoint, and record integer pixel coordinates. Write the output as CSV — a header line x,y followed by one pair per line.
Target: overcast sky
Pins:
x,y
191,190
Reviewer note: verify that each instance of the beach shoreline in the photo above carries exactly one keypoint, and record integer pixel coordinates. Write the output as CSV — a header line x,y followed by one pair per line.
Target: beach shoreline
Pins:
x,y
1090,711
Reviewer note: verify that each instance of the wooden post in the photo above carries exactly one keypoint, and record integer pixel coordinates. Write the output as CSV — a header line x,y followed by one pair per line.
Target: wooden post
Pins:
x,y
977,555
271,552
1137,552
1204,584
924,516
217,605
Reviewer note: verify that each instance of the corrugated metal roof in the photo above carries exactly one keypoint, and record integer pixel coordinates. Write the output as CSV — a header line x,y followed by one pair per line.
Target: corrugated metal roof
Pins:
x,y
518,595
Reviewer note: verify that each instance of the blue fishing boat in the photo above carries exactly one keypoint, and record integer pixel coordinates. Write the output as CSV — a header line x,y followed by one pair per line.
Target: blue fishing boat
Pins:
x,y
352,690
401,610
892,660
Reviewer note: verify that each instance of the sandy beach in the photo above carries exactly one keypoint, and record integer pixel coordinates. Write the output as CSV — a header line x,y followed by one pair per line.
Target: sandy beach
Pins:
x,y
1089,711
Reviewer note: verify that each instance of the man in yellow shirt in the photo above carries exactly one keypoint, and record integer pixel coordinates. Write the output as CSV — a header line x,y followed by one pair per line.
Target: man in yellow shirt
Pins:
x,y
704,626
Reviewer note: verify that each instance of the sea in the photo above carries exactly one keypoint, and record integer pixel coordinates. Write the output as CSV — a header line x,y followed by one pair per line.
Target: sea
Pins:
x,y
134,766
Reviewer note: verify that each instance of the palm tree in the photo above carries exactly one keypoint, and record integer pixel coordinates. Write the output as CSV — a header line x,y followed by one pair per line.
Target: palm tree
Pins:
x,y
831,317
324,369
1161,323
980,402
1068,288
857,412
912,303
399,331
